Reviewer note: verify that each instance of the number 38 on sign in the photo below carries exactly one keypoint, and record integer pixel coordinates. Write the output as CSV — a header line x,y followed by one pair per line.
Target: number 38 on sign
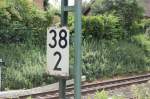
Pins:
x,y
58,51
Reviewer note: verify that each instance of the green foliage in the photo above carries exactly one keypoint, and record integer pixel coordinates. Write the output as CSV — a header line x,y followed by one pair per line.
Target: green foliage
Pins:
x,y
128,11
107,59
99,27
103,56
2,3
141,26
99,7
105,95
142,41
145,23
21,21
71,24
25,67
101,95
137,91
29,97
102,27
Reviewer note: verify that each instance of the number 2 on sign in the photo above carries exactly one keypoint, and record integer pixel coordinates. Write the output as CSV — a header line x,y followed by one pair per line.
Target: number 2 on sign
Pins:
x,y
57,63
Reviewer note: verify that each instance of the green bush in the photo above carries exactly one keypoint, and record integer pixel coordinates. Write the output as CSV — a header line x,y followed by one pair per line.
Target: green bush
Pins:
x,y
141,26
102,27
145,24
21,21
99,27
128,11
101,95
143,41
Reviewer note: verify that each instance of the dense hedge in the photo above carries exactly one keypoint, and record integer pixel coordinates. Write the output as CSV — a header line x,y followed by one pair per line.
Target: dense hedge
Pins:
x,y
108,26
102,27
129,12
21,21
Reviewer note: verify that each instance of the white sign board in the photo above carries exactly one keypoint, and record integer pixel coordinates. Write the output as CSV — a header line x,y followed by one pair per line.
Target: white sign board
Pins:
x,y
58,51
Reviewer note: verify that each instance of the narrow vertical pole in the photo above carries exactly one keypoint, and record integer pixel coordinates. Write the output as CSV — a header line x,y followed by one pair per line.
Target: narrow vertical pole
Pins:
x,y
0,78
64,18
64,14
77,68
62,88
1,63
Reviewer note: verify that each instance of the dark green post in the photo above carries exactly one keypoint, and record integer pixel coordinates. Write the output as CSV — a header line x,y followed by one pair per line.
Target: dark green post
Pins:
x,y
64,14
77,68
64,18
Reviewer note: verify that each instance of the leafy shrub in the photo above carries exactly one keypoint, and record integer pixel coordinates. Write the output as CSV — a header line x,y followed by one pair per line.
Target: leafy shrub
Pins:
x,y
105,95
101,95
102,27
142,41
142,25
99,27
21,21
146,23
128,11
71,24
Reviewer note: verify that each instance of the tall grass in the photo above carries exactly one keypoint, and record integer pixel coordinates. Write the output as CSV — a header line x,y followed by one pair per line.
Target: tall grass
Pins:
x,y
24,66
142,41
107,59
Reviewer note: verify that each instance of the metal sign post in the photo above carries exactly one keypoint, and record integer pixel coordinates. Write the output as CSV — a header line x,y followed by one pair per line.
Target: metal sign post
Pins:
x,y
77,68
0,78
64,19
52,47
1,64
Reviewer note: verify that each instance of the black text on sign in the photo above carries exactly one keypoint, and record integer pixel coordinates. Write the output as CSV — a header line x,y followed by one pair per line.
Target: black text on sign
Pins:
x,y
58,51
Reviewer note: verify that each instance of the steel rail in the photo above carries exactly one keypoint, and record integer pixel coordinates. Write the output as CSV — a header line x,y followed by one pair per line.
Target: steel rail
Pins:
x,y
93,87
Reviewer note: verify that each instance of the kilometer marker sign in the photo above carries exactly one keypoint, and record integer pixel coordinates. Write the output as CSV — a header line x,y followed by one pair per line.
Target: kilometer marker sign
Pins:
x,y
58,51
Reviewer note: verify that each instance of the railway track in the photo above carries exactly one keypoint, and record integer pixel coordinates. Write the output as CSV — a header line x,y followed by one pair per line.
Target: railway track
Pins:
x,y
92,87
